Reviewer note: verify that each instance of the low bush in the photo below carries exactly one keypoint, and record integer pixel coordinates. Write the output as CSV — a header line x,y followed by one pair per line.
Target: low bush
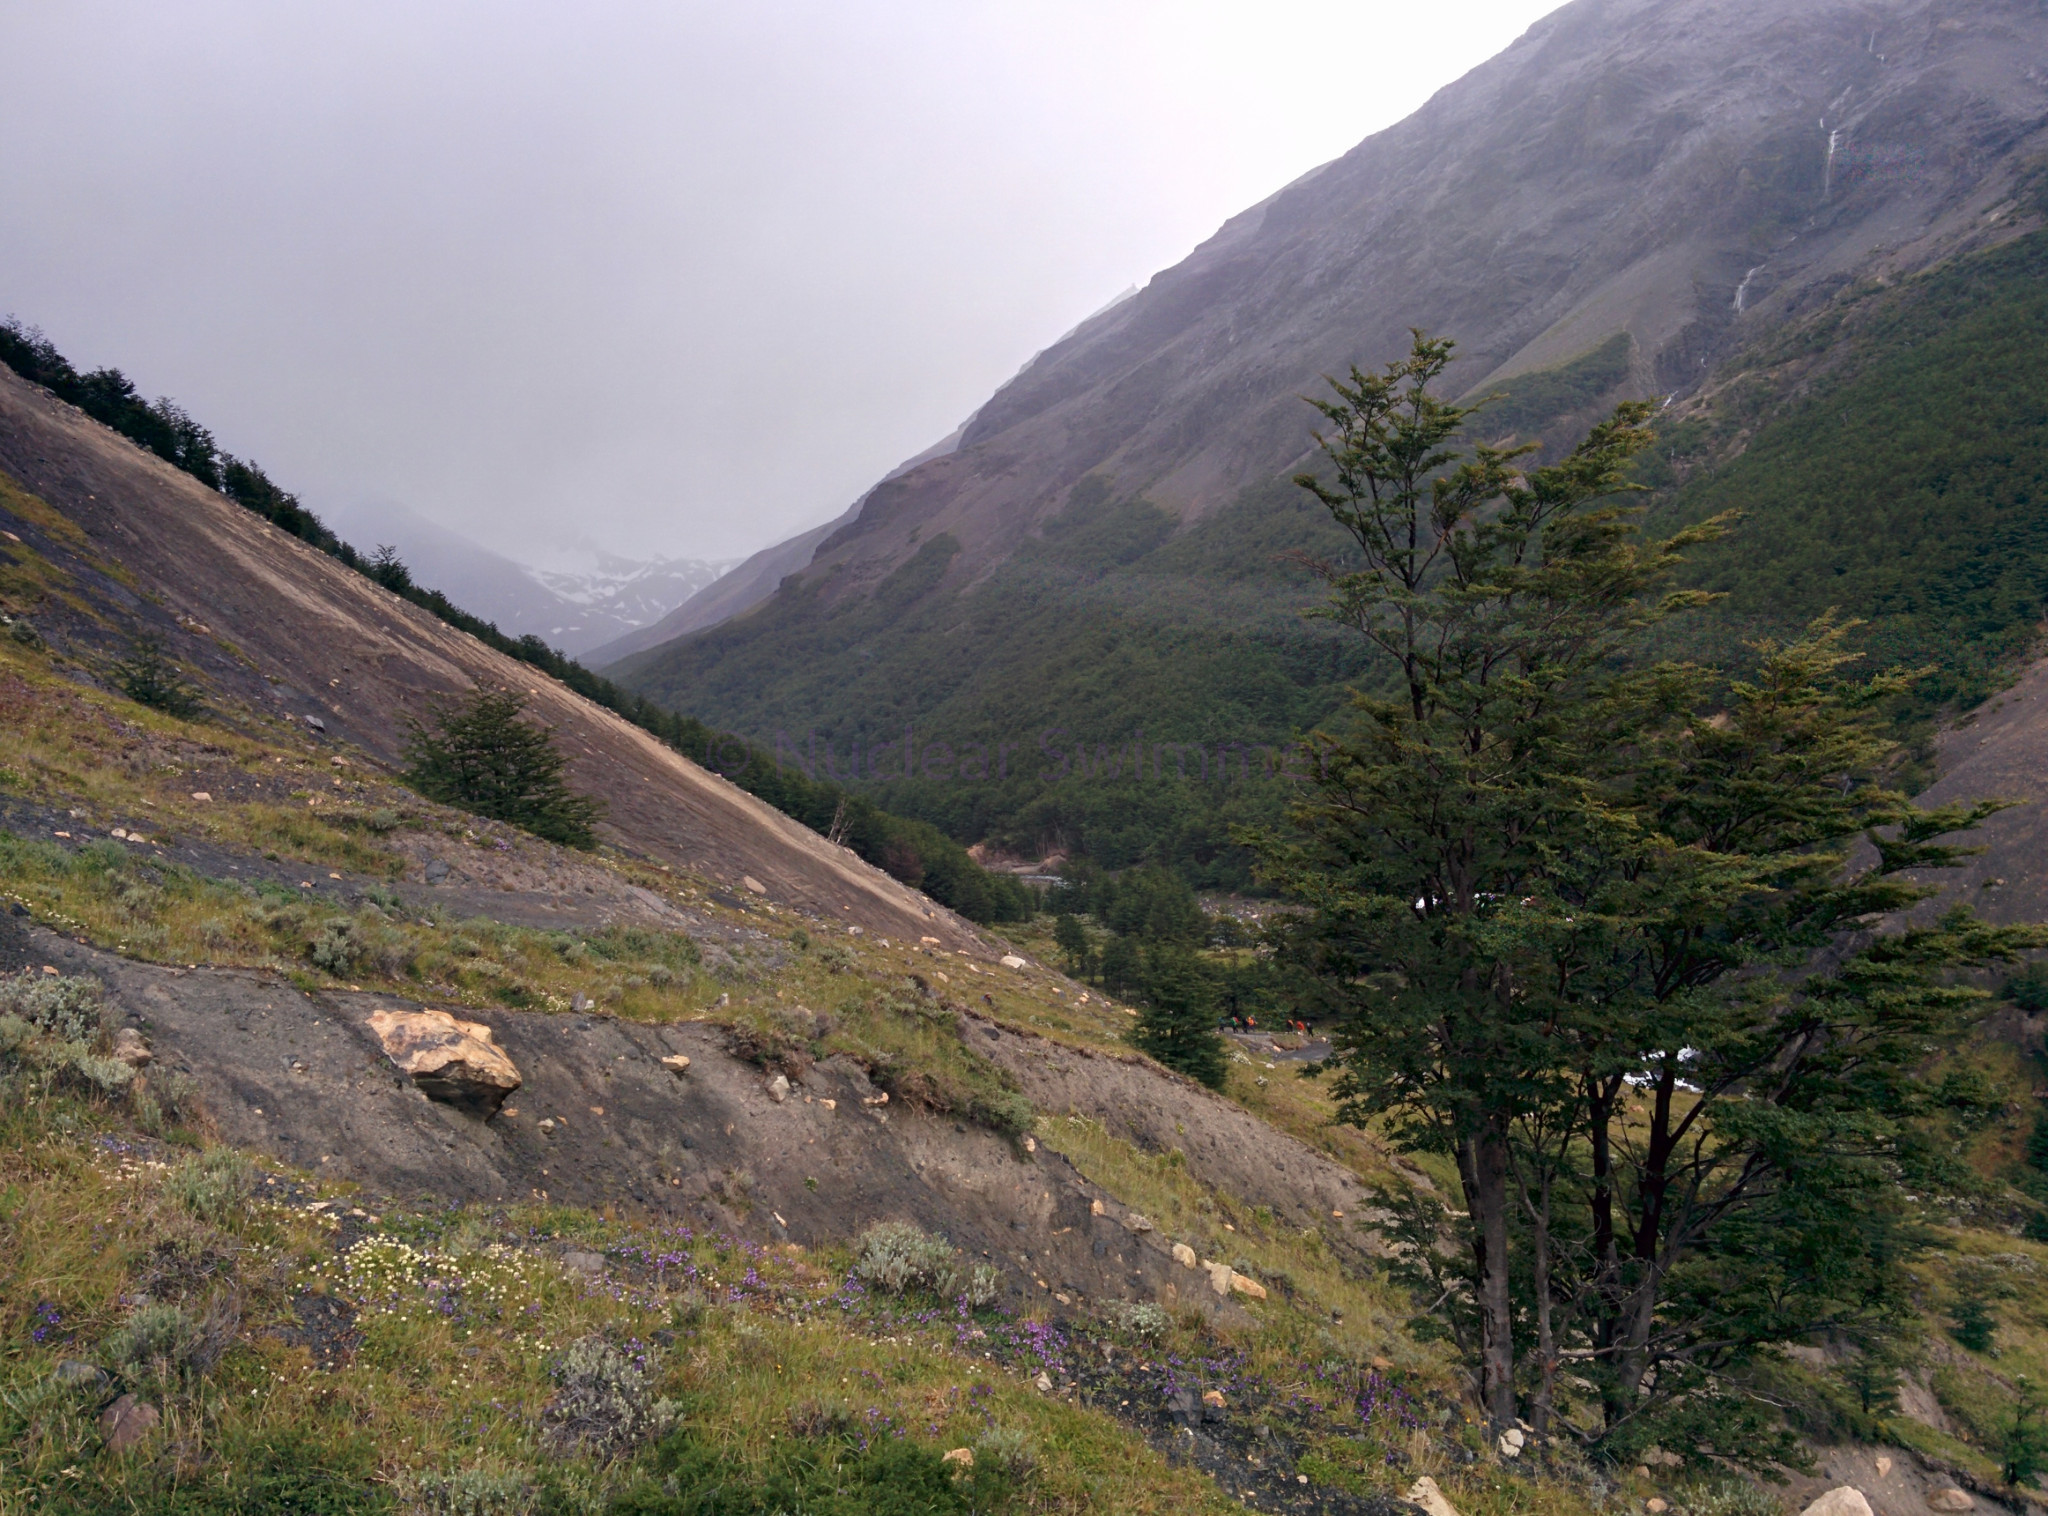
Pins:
x,y
604,1402
898,1258
162,1346
1142,1320
474,1492
337,947
67,1008
214,1185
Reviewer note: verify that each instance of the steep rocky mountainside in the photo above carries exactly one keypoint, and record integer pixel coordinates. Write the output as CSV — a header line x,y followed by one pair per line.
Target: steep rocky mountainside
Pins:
x,y
111,543
1628,202
1681,172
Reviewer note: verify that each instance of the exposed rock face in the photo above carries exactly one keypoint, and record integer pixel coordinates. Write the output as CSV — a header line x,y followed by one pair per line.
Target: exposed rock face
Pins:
x,y
455,1062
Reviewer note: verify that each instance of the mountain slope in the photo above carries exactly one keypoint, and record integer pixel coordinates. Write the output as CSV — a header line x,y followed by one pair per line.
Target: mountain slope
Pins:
x,y
124,543
1628,165
1625,198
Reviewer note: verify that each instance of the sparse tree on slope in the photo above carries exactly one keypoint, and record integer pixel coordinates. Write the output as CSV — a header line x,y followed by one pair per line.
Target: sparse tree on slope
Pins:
x,y
483,757
1178,1022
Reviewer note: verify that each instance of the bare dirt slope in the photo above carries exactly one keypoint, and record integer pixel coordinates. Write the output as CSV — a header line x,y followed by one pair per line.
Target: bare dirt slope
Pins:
x,y
290,632
303,1078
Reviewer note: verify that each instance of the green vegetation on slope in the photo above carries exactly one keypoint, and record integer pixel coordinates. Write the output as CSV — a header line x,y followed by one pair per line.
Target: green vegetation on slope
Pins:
x,y
1121,687
1903,481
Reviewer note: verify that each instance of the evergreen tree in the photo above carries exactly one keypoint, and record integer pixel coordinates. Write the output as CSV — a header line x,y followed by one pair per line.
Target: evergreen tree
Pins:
x,y
149,678
1591,933
1177,1024
483,758
1072,939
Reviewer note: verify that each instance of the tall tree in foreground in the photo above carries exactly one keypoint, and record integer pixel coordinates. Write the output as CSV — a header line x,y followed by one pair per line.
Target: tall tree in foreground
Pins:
x,y
1568,916
482,757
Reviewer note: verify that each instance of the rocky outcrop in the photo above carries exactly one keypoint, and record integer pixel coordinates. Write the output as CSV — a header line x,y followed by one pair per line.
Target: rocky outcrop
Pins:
x,y
451,1061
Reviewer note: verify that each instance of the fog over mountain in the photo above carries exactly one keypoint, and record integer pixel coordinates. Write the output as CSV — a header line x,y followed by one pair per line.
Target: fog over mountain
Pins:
x,y
585,597
688,277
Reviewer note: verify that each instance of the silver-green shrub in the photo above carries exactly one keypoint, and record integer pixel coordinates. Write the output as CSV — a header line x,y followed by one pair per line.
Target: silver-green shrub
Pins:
x,y
68,1008
898,1259
213,1185
604,1402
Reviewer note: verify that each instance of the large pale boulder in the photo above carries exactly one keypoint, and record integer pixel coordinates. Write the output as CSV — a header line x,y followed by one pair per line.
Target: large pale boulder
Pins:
x,y
1843,1500
451,1061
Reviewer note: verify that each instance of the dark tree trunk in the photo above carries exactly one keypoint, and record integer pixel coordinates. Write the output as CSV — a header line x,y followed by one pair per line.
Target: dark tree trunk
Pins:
x,y
1483,1165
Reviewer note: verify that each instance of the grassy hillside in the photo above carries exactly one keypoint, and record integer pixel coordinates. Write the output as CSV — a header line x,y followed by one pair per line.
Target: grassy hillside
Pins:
x,y
315,1348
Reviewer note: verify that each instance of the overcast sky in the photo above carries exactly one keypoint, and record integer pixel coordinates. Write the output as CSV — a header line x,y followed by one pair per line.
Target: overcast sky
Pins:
x,y
670,277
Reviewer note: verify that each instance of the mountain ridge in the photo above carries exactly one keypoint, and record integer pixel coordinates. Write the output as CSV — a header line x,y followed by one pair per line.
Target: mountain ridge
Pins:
x,y
1623,166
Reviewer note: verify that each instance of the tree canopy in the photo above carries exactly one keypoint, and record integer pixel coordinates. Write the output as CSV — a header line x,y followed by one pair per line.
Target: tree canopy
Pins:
x,y
1591,927
483,757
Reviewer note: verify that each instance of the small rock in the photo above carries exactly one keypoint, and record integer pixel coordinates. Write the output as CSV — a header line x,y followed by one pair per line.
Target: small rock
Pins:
x,y
964,1457
1213,1397
1251,1289
131,1049
72,1372
676,1063
753,885
316,723
1642,1471
584,1262
1030,1144
778,1089
1097,1208
579,1002
1425,1494
1183,1255
1510,1443
1843,1500
437,870
1044,1382
1012,961
1137,1223
1656,1505
126,1422
1884,1464
830,1105
202,795
1950,1499
1219,1276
